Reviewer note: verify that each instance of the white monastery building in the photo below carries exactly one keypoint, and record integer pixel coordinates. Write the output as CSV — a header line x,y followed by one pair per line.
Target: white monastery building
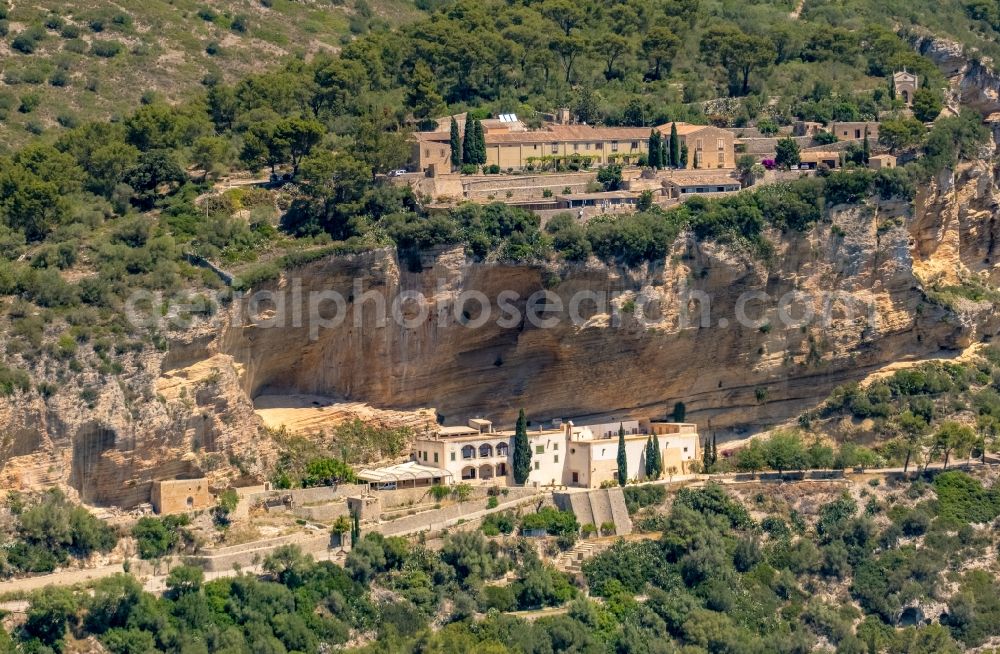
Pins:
x,y
562,454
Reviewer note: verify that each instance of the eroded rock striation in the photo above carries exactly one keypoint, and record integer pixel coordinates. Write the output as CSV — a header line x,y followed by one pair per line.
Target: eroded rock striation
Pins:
x,y
635,355
638,346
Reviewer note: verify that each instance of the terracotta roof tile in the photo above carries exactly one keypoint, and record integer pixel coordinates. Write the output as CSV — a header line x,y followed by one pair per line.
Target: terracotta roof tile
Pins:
x,y
563,133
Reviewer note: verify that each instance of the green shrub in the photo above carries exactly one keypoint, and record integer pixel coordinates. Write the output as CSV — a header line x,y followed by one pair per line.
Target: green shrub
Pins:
x,y
28,41
60,78
327,471
157,537
712,499
12,379
29,103
256,276
963,498
553,521
106,49
499,523
76,46
643,495
53,529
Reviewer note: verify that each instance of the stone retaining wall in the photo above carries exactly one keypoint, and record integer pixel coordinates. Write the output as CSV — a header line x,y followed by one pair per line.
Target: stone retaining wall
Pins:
x,y
224,558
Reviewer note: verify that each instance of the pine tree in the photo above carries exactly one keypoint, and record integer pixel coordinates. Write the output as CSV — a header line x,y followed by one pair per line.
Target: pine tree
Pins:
x,y
521,457
658,455
423,97
622,460
675,144
456,145
655,151
469,141
480,148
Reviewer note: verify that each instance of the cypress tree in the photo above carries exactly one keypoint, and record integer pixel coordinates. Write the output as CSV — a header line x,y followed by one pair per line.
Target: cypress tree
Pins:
x,y
658,456
655,151
469,141
866,150
355,529
622,460
675,144
715,451
650,458
521,457
683,163
480,144
456,145
706,455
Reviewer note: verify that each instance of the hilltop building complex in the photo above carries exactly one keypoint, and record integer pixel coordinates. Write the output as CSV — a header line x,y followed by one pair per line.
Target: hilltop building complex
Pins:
x,y
511,145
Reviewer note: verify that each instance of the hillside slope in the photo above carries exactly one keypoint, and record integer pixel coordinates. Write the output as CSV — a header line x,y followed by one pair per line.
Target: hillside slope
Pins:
x,y
77,61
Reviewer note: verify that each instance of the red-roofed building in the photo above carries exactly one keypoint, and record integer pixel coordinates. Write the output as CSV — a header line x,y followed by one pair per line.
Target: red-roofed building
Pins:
x,y
512,146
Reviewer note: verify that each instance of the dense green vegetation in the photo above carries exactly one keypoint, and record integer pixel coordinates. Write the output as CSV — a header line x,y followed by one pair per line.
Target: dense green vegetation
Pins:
x,y
715,581
326,459
933,411
159,537
49,531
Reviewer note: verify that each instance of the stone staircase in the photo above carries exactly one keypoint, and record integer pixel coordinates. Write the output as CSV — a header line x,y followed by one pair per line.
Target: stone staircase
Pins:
x,y
619,512
572,561
596,507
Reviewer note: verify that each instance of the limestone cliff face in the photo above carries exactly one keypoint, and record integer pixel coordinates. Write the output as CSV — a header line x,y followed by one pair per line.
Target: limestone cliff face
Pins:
x,y
104,439
956,228
733,377
189,410
972,79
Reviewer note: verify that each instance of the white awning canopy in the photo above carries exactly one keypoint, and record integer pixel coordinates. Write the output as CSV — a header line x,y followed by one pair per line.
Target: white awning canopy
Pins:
x,y
409,471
